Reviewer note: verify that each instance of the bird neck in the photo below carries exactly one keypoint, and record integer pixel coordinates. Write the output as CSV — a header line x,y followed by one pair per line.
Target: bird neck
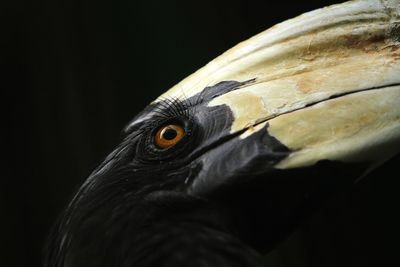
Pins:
x,y
178,243
159,230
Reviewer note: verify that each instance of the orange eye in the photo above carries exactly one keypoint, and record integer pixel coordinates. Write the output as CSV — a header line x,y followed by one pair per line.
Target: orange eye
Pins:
x,y
169,135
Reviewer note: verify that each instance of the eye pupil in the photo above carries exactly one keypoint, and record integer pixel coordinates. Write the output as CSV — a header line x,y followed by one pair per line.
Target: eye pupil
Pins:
x,y
169,134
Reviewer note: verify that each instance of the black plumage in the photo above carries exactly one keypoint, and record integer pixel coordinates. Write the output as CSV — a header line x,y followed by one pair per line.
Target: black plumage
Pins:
x,y
135,209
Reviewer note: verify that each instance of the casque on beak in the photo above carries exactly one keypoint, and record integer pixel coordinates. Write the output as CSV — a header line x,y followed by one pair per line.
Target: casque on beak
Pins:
x,y
327,84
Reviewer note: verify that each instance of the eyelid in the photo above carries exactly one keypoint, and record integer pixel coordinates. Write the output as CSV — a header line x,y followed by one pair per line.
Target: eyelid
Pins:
x,y
153,114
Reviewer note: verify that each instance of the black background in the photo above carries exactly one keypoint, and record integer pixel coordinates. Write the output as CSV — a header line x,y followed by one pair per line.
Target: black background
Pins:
x,y
75,72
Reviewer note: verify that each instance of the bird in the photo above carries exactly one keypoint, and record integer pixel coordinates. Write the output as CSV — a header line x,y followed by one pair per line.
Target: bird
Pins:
x,y
227,163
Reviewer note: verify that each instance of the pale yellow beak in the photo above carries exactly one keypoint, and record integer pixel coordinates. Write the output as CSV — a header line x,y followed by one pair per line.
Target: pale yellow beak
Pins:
x,y
327,83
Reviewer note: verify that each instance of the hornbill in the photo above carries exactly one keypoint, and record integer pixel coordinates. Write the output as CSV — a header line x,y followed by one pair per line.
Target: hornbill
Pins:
x,y
224,165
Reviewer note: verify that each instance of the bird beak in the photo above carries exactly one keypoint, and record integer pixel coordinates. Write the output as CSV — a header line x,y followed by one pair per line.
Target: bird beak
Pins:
x,y
324,85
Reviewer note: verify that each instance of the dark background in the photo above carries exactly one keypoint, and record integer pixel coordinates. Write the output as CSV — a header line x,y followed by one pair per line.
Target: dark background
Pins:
x,y
75,72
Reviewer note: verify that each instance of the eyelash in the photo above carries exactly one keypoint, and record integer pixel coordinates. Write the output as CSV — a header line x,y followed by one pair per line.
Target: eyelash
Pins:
x,y
167,110
172,107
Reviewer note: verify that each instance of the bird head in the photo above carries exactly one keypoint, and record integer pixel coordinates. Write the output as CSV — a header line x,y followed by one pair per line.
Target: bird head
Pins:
x,y
321,87
263,132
